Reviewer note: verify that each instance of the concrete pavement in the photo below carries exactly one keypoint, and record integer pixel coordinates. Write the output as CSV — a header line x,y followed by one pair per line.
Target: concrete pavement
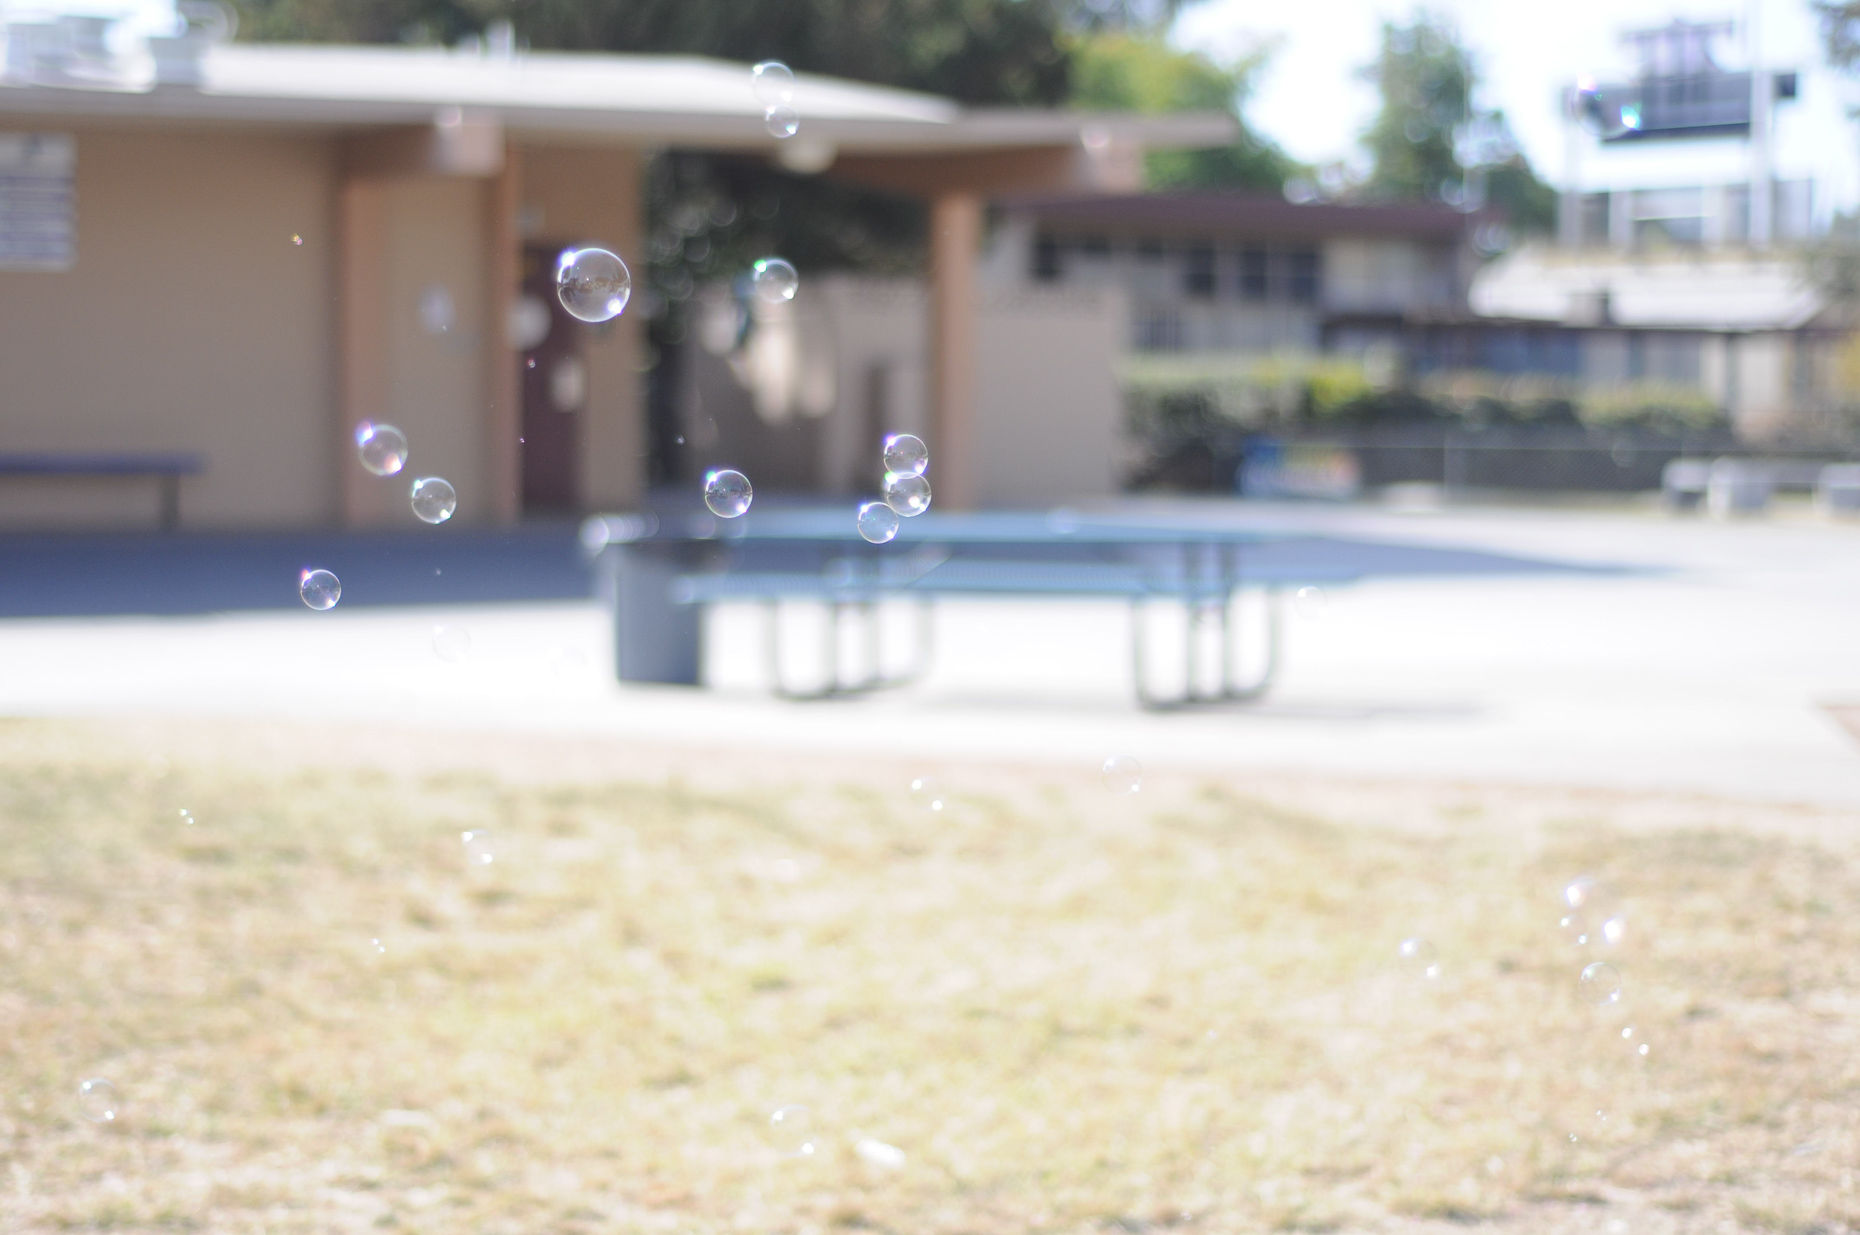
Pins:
x,y
1703,664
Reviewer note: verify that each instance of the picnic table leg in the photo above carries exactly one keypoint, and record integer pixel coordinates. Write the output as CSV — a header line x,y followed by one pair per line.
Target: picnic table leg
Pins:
x,y
1242,692
829,670
1140,663
874,646
170,502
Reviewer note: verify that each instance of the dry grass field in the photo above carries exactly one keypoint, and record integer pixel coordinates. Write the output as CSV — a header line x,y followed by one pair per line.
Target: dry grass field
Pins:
x,y
1071,1011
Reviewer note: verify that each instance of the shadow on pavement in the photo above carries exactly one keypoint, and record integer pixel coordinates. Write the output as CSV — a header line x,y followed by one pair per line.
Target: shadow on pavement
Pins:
x,y
78,574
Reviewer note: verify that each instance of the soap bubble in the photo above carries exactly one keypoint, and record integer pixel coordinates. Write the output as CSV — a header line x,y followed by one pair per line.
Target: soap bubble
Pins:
x,y
1600,984
877,522
1310,602
592,284
185,816
451,643
383,448
774,280
1579,891
906,454
877,1153
379,947
1122,774
791,1131
926,793
773,83
479,850
1592,914
1418,958
1606,113
434,499
782,121
727,492
908,494
319,588
97,1100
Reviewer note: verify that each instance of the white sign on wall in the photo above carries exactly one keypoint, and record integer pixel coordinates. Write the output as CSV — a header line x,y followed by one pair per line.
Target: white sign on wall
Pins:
x,y
38,201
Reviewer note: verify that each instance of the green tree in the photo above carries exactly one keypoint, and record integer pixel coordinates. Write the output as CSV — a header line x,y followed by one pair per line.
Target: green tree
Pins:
x,y
1840,31
1425,79
979,51
1123,71
1430,142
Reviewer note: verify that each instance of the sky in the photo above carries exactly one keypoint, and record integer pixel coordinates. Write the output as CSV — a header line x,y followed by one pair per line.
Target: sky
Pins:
x,y
1311,102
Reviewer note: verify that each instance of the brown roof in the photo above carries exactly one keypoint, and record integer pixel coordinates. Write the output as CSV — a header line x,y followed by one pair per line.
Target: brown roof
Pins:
x,y
1254,214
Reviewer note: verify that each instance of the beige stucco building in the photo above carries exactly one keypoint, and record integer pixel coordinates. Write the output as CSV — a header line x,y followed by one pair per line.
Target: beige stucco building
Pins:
x,y
239,252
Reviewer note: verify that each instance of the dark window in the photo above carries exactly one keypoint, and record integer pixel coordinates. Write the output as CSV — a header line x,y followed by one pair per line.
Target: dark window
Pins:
x,y
1150,249
1304,281
1198,271
1253,284
1095,246
1046,259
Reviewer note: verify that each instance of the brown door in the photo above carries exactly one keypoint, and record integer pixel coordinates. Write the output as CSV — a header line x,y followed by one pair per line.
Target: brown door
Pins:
x,y
555,389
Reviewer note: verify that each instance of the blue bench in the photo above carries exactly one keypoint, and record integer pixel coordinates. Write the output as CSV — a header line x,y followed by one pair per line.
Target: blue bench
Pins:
x,y
166,469
659,576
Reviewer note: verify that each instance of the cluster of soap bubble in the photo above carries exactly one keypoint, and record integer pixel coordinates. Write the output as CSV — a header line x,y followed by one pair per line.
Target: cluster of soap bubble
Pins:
x,y
773,84
1593,919
592,283
905,491
382,449
727,492
793,1132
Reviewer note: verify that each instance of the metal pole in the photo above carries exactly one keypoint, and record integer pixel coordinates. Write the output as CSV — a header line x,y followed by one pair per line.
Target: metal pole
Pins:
x,y
1762,91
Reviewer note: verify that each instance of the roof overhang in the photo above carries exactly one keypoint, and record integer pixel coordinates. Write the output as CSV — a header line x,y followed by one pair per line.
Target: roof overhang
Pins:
x,y
1252,214
650,101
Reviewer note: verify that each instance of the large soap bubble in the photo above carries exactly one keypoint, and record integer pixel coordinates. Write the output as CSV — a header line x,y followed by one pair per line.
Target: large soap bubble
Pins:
x,y
728,493
774,280
592,284
773,83
433,498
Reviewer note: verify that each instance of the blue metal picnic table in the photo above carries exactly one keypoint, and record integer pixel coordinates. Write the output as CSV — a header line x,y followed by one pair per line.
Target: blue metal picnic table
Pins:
x,y
659,573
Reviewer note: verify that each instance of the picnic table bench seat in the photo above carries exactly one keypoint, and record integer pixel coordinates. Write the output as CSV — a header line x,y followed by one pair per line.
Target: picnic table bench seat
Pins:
x,y
166,469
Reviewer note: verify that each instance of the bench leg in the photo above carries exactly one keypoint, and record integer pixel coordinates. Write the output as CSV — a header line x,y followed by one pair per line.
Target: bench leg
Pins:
x,y
170,503
1238,692
832,684
1230,691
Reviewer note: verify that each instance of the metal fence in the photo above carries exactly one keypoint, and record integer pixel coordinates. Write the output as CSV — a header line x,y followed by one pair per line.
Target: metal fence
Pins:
x,y
1514,458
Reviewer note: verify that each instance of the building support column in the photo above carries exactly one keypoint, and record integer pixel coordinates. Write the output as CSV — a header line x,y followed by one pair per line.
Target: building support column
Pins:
x,y
955,243
361,333
503,377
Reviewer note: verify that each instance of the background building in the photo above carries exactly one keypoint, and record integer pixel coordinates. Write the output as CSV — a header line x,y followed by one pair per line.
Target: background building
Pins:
x,y
233,254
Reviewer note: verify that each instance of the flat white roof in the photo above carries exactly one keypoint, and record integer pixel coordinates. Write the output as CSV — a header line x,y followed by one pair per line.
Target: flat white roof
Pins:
x,y
658,100
1725,291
